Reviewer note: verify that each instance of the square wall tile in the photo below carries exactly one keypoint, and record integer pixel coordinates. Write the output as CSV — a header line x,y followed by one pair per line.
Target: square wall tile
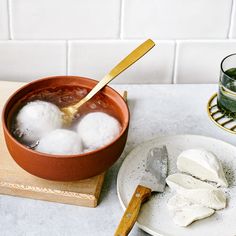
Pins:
x,y
4,29
176,19
65,19
95,59
26,61
198,62
232,33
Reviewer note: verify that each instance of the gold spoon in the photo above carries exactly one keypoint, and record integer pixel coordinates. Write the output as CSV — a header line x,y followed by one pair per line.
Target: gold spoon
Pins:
x,y
70,111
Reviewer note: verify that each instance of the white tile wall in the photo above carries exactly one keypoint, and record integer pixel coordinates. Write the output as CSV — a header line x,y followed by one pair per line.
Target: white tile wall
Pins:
x,y
199,61
176,19
65,19
4,32
26,61
88,37
95,59
233,21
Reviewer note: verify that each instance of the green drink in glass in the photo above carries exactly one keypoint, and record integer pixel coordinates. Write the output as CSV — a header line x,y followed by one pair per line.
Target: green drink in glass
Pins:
x,y
226,99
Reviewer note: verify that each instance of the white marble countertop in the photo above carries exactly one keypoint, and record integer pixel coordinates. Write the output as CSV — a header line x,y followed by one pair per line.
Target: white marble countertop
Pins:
x,y
156,110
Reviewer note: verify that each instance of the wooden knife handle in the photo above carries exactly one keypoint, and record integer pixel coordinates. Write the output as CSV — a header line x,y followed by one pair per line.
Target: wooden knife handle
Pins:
x,y
130,216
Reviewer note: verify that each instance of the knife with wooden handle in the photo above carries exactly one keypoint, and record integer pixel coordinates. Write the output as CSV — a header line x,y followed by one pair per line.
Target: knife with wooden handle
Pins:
x,y
153,180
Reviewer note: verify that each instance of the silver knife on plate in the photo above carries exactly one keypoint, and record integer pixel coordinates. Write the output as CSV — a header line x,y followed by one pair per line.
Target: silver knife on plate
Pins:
x,y
153,180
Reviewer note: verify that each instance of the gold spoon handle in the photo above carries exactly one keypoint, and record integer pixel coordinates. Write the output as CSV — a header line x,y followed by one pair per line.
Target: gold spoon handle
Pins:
x,y
135,55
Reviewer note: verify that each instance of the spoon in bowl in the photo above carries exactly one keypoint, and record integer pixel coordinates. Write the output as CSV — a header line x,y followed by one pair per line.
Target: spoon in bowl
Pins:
x,y
70,111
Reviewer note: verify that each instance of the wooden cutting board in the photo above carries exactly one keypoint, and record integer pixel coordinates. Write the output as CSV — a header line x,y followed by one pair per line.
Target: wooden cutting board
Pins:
x,y
17,182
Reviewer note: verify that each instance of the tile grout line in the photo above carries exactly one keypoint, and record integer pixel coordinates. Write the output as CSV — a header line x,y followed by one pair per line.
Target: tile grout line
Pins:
x,y
115,39
231,20
121,19
175,63
9,20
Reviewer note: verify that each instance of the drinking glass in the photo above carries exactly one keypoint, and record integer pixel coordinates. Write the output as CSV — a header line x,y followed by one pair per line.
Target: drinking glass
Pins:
x,y
226,99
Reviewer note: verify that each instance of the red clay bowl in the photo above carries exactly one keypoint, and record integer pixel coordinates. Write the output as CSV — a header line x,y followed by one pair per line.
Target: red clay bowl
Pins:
x,y
68,167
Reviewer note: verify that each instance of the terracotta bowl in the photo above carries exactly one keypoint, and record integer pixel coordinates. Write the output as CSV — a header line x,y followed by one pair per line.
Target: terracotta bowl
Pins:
x,y
68,167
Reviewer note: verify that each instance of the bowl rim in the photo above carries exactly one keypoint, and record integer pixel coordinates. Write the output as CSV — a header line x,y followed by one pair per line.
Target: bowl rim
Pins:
x,y
81,155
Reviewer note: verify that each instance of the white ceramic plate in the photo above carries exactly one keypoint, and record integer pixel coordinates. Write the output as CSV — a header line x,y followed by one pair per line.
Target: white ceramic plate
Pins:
x,y
154,217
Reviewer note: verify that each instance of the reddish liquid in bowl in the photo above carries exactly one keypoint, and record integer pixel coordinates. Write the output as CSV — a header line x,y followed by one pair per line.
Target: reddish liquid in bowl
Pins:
x,y
65,96
69,95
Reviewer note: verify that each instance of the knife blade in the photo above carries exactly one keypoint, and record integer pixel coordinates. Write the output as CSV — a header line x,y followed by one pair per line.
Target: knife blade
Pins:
x,y
155,173
152,180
